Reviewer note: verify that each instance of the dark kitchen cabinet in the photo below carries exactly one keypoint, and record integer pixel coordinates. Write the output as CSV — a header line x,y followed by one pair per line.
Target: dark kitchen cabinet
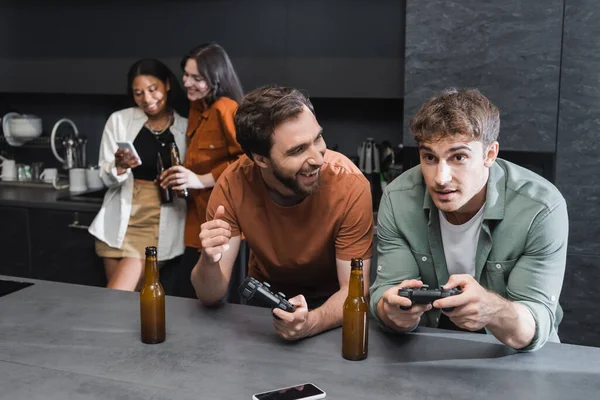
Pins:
x,y
14,242
323,47
62,249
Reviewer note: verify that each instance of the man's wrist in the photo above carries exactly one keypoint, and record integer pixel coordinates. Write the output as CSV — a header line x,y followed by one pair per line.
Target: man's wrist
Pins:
x,y
512,323
382,316
312,321
206,261
501,309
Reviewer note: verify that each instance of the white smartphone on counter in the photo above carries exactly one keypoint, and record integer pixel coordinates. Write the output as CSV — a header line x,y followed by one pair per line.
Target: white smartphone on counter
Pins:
x,y
129,146
306,391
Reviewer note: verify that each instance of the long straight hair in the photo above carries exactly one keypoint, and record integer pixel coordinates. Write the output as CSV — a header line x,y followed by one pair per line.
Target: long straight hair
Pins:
x,y
215,67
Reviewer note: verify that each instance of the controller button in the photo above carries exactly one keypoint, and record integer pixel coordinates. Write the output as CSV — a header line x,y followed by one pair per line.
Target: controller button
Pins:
x,y
425,286
247,293
281,294
424,258
267,285
251,285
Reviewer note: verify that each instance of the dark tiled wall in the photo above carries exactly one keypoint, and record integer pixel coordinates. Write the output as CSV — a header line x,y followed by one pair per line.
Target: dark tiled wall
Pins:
x,y
578,152
545,80
510,50
578,166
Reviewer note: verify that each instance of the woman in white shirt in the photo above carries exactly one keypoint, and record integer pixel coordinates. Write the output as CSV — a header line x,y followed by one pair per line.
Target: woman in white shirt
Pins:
x,y
132,216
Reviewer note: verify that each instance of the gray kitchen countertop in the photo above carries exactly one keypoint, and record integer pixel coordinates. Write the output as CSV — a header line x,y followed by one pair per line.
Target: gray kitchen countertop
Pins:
x,y
60,341
34,197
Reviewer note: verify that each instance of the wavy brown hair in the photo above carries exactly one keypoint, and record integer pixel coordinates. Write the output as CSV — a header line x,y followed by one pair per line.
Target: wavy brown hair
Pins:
x,y
261,111
454,112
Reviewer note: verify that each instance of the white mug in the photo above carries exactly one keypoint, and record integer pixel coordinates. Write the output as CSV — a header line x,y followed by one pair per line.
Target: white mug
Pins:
x,y
77,180
93,179
49,175
9,170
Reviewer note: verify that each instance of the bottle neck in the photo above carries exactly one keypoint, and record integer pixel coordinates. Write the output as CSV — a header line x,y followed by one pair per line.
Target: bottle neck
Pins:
x,y
175,156
357,283
151,270
159,163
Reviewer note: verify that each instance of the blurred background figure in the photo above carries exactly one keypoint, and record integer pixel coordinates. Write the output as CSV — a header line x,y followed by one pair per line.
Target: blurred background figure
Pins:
x,y
132,217
214,91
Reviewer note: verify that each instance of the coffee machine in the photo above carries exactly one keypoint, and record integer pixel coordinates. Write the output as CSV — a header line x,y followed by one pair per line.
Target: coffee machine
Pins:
x,y
369,164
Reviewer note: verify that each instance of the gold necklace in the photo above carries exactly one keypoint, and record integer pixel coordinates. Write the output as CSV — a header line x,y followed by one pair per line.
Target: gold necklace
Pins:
x,y
159,131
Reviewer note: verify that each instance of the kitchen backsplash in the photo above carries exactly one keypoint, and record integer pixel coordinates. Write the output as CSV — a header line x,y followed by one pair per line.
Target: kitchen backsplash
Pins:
x,y
346,122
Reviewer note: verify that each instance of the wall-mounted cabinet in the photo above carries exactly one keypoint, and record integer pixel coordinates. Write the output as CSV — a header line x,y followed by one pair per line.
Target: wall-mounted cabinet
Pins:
x,y
331,49
321,77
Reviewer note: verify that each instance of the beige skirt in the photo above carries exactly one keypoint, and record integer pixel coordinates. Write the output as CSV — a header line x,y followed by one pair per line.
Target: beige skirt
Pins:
x,y
142,230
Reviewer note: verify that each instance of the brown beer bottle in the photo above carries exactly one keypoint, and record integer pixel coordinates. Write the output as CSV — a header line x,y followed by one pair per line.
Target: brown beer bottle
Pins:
x,y
355,325
152,302
166,195
176,160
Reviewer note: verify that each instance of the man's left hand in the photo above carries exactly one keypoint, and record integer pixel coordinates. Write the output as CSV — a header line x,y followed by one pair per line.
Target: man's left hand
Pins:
x,y
474,308
296,325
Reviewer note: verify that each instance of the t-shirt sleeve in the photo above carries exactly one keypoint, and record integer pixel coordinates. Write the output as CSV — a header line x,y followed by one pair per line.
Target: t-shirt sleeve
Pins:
x,y
234,149
355,237
221,195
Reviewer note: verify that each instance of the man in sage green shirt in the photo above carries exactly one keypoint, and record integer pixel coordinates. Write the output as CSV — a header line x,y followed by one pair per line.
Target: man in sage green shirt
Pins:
x,y
465,219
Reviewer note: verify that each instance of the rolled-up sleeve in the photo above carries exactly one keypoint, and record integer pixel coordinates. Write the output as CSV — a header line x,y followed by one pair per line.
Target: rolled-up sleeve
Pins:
x,y
395,261
234,150
536,279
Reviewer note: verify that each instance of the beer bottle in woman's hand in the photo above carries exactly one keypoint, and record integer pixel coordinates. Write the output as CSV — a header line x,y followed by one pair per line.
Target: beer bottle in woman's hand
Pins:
x,y
166,195
176,160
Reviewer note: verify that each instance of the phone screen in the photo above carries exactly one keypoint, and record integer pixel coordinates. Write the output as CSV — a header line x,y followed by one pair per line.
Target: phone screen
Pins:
x,y
299,392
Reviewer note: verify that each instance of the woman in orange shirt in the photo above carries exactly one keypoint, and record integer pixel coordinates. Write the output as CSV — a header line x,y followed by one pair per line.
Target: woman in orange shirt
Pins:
x,y
214,91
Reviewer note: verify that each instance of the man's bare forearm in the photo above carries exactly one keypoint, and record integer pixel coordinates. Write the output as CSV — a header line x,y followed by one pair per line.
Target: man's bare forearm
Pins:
x,y
513,324
329,315
208,280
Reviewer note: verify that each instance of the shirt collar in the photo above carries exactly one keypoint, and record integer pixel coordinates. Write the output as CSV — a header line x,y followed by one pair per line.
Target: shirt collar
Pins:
x,y
198,106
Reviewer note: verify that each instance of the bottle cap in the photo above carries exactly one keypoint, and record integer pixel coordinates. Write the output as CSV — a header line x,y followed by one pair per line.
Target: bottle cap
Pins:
x,y
151,251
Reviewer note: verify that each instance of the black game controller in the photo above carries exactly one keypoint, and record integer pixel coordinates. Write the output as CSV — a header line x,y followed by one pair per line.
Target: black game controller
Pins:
x,y
252,288
424,295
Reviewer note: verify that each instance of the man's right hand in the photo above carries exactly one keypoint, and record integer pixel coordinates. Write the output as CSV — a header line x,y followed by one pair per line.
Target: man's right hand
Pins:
x,y
390,312
215,236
